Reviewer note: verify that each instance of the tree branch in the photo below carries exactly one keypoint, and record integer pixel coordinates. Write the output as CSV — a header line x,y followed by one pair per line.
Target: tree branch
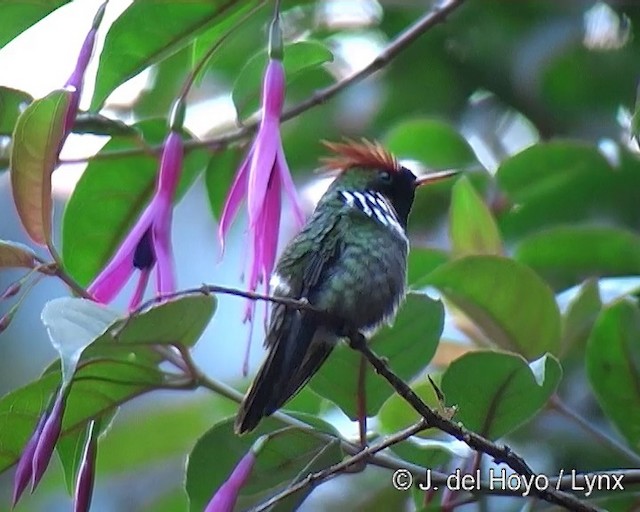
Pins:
x,y
434,419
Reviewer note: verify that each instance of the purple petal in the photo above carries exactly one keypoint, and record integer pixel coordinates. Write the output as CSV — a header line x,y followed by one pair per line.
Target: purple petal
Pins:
x,y
261,167
273,89
24,468
289,187
141,286
225,498
161,231
86,474
47,440
170,166
120,267
271,225
234,198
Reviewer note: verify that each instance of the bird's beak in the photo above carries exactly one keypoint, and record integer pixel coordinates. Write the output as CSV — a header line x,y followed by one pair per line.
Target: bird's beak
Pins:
x,y
432,177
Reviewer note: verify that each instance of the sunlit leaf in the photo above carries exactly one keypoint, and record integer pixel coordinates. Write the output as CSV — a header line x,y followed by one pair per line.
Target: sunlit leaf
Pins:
x,y
18,15
37,137
149,31
472,227
505,299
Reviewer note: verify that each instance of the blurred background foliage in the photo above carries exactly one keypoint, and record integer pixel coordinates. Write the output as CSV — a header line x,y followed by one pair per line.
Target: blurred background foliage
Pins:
x,y
533,100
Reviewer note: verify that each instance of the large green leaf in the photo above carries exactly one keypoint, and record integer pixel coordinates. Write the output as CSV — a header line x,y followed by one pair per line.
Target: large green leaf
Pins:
x,y
565,255
18,15
472,228
148,31
99,386
581,315
496,392
565,182
422,261
13,254
286,455
91,232
613,367
505,299
117,366
37,139
12,102
298,58
435,143
408,345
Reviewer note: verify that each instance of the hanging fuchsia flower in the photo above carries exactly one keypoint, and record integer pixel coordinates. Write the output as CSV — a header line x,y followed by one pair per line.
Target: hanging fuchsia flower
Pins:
x,y
262,177
86,473
76,80
148,244
225,498
38,451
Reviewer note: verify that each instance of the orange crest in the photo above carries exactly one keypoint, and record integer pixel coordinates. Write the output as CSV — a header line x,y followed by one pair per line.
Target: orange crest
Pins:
x,y
366,154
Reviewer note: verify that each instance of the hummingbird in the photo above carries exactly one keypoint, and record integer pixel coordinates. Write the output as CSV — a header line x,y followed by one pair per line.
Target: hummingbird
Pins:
x,y
348,261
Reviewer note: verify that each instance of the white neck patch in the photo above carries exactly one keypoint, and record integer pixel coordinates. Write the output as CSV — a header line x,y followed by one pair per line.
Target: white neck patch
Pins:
x,y
375,206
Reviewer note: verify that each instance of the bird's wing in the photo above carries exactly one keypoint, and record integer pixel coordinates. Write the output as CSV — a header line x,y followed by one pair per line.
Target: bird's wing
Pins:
x,y
295,353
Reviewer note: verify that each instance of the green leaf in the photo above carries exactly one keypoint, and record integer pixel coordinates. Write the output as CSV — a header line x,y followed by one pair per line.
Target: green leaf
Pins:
x,y
90,231
613,367
298,58
506,300
16,255
147,32
432,142
218,178
566,255
285,456
554,183
178,321
581,315
99,386
422,261
472,228
18,15
72,325
12,103
37,139
117,366
409,346
496,392
396,414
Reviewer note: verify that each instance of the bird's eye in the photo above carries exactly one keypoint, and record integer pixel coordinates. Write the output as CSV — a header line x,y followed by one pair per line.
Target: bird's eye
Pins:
x,y
385,176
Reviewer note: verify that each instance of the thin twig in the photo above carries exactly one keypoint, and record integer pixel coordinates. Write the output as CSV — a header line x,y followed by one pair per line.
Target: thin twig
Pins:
x,y
437,15
434,419
361,456
556,404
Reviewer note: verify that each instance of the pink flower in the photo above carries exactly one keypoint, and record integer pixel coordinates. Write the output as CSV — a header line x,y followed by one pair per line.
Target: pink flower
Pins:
x,y
86,473
148,244
38,451
226,496
262,177
75,81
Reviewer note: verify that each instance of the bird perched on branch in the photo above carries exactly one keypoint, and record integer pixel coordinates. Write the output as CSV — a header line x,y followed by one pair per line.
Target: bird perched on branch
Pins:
x,y
349,261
